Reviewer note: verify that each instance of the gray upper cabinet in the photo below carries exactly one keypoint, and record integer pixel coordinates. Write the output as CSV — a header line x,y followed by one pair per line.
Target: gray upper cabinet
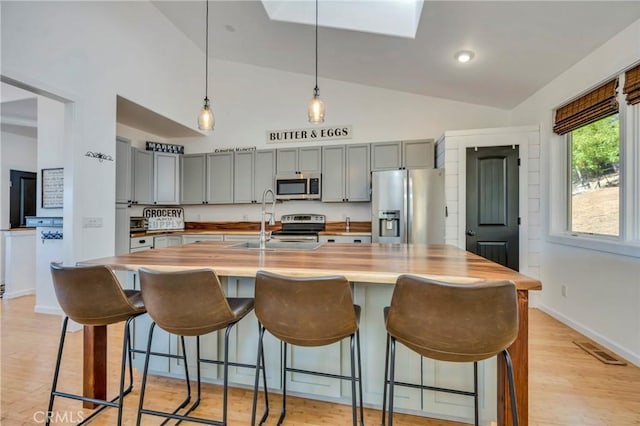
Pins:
x,y
253,173
264,172
418,154
299,160
333,178
220,178
386,156
123,171
166,178
142,176
358,173
402,155
346,173
193,177
243,173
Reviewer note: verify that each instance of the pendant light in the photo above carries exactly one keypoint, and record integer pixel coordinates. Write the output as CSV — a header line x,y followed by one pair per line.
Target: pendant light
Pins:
x,y
206,120
316,106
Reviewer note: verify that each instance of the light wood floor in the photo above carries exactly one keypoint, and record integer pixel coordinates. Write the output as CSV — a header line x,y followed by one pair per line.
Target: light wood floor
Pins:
x,y
567,386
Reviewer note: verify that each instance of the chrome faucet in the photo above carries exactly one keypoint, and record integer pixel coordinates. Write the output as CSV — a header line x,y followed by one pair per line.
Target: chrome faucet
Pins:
x,y
272,219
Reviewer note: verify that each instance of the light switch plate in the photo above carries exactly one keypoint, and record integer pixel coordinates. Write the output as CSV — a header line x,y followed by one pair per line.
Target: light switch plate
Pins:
x,y
92,222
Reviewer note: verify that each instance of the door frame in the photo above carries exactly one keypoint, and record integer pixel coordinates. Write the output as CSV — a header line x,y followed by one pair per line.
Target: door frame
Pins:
x,y
482,138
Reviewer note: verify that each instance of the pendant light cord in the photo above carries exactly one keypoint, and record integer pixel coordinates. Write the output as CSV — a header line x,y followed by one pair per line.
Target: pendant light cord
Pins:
x,y
206,57
316,88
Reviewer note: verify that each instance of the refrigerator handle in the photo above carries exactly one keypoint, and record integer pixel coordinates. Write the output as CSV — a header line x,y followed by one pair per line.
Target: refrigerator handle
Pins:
x,y
407,211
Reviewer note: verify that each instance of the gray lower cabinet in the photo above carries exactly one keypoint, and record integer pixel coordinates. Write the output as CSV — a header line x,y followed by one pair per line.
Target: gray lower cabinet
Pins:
x,y
220,172
122,229
353,239
345,173
299,160
193,178
167,241
197,238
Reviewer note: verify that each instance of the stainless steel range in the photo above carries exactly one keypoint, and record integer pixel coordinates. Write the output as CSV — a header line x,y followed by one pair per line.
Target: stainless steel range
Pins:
x,y
300,227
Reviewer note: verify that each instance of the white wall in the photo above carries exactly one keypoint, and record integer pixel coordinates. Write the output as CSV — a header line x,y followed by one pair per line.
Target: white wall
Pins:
x,y
17,152
603,298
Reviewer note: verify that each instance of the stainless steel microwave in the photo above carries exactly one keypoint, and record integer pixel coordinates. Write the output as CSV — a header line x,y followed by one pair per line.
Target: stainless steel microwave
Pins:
x,y
298,186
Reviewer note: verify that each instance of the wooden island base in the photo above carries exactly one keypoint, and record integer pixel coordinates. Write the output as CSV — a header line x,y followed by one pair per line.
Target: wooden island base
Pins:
x,y
363,264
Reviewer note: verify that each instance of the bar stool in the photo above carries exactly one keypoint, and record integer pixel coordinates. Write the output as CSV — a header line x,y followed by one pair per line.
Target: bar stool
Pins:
x,y
307,312
451,322
92,296
190,303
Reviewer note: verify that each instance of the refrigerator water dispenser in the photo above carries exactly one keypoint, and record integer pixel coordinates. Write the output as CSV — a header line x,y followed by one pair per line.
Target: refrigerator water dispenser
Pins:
x,y
389,223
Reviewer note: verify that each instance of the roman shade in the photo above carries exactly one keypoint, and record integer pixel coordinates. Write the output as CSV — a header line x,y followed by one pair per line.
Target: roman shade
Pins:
x,y
632,85
599,103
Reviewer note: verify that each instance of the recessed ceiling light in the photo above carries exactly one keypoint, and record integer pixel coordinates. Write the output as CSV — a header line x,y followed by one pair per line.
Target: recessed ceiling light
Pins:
x,y
464,56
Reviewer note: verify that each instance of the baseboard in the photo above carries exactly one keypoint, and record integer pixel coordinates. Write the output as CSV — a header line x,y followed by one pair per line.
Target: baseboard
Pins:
x,y
49,310
597,337
13,295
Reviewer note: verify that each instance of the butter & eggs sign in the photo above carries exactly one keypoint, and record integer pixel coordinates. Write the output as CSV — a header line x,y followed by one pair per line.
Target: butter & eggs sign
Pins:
x,y
310,134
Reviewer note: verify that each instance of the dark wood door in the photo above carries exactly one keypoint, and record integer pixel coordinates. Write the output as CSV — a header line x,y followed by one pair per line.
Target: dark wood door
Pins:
x,y
22,197
492,204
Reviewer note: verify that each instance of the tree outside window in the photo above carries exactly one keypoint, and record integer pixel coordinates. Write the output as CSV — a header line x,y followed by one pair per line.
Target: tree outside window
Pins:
x,y
595,177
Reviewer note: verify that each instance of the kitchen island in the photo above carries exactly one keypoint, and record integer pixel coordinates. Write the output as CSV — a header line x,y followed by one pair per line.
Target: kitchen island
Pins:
x,y
373,269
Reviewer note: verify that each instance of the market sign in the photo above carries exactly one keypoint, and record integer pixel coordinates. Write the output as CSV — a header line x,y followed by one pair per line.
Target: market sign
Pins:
x,y
310,134
164,218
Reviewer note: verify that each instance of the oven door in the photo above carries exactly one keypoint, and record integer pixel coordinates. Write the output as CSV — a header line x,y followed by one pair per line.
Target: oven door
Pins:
x,y
293,238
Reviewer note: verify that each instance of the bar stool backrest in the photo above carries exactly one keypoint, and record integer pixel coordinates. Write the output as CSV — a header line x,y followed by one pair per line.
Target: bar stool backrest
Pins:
x,y
453,322
185,303
91,295
305,311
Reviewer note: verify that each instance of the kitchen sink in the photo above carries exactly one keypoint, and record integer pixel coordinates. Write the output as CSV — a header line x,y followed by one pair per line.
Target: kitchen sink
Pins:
x,y
277,245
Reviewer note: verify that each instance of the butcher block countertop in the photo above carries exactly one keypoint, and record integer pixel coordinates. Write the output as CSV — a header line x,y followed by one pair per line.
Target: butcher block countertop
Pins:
x,y
370,263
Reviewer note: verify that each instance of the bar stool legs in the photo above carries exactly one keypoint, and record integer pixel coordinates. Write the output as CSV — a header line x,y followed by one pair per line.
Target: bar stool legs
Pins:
x,y
354,341
126,356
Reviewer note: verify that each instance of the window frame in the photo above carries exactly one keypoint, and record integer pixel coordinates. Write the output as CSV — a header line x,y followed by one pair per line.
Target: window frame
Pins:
x,y
628,241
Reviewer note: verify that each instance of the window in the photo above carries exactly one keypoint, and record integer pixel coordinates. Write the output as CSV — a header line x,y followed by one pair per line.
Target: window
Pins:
x,y
594,201
597,204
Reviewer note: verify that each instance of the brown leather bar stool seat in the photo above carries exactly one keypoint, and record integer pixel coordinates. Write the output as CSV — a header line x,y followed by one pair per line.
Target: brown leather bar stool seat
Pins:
x,y
314,312
451,322
92,296
190,303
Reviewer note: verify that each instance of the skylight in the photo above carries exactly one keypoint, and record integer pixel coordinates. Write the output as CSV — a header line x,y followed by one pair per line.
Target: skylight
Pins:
x,y
398,18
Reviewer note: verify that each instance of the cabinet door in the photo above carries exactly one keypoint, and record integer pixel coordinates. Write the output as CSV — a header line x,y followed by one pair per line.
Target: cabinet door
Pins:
x,y
287,161
418,154
220,178
123,171
192,178
142,176
310,159
333,168
264,172
357,173
243,177
386,156
166,178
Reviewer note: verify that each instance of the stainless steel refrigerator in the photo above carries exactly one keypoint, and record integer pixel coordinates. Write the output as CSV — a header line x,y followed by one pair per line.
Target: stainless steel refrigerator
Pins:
x,y
407,206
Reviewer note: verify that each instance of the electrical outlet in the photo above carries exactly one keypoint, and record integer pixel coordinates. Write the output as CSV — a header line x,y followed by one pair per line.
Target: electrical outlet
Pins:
x,y
564,290
92,222
245,217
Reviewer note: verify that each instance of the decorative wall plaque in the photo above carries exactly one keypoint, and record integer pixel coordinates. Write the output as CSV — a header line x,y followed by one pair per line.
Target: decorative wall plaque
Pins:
x,y
52,188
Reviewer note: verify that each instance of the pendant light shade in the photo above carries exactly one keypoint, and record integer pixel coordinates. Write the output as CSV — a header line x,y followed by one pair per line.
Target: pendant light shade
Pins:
x,y
206,120
316,106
